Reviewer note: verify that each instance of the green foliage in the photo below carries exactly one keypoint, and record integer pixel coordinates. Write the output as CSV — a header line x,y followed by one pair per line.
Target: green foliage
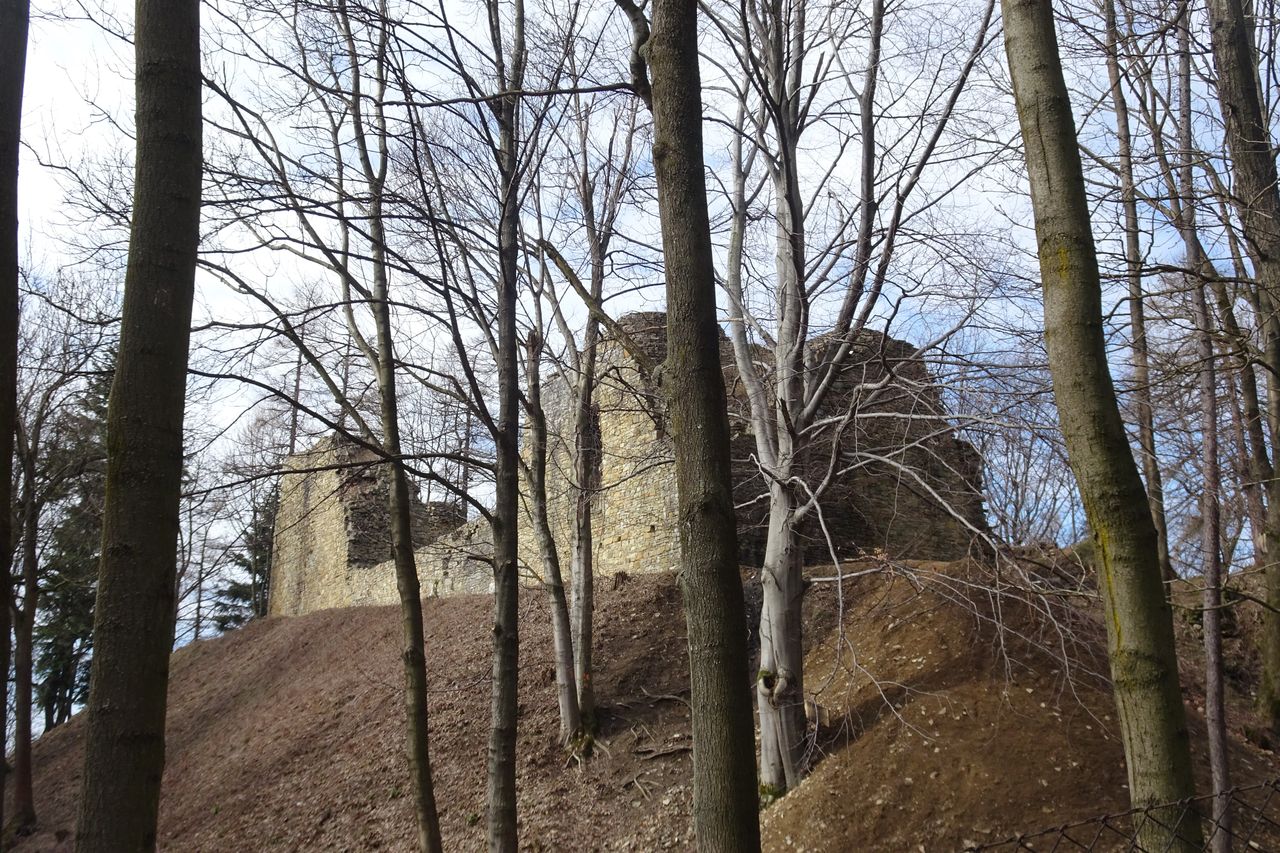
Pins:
x,y
63,636
243,598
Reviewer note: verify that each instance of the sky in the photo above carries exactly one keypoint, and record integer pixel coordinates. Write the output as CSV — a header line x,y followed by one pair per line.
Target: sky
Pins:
x,y
76,75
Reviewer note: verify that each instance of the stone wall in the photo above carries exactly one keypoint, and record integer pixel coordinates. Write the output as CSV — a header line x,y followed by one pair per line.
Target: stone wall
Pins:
x,y
909,487
332,545
634,520
457,563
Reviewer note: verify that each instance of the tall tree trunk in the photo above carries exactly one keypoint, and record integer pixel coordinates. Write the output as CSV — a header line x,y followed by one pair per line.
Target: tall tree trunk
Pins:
x,y
506,643
779,684
371,145
1258,201
724,775
561,633
1137,313
1139,624
24,804
1210,508
780,680
411,623
133,623
586,474
14,21
1211,559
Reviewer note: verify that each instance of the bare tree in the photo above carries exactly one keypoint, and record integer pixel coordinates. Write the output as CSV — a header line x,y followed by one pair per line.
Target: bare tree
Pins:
x,y
1133,277
58,350
724,790
600,182
1139,623
792,75
133,627
14,22
1257,198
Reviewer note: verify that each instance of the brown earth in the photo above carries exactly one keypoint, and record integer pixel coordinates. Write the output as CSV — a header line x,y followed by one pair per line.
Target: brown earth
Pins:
x,y
946,716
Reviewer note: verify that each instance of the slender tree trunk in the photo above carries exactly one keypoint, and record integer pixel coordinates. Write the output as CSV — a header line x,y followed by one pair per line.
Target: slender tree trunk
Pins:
x,y
1137,313
14,22
586,475
1139,624
1211,558
506,643
582,568
398,506
411,622
371,144
1210,508
24,805
1258,201
566,682
133,624
724,778
199,617
779,682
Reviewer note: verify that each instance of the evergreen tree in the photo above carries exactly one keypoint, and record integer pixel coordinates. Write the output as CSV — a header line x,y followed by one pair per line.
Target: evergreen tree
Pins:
x,y
243,598
63,637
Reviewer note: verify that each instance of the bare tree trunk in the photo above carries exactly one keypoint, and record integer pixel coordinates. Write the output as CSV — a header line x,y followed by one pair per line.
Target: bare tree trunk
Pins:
x,y
1210,509
586,475
1139,625
1258,201
14,22
371,145
133,624
566,682
724,777
414,653
1137,313
24,807
779,683
1211,557
506,642
780,680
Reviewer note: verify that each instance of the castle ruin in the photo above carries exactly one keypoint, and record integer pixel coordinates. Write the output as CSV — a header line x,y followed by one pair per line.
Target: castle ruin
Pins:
x,y
909,486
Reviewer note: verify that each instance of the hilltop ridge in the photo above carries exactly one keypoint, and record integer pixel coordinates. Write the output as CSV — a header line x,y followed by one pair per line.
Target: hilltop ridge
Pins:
x,y
936,727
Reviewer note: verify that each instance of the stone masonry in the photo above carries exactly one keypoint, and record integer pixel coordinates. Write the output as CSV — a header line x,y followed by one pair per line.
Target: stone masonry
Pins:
x,y
332,542
909,487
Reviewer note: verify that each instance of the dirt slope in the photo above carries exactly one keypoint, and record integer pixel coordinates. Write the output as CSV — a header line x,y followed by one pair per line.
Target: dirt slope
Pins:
x,y
937,728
